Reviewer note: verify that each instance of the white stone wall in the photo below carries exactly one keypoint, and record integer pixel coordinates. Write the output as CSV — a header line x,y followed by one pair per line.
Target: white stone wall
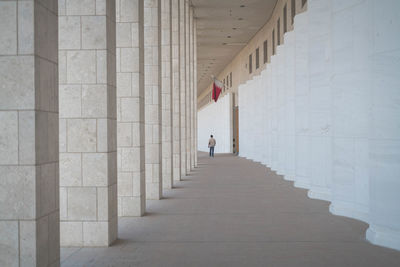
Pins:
x,y
29,177
152,74
384,134
130,108
330,98
351,92
88,147
215,119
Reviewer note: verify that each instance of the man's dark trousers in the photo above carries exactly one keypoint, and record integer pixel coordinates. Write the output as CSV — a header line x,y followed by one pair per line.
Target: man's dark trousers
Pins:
x,y
212,151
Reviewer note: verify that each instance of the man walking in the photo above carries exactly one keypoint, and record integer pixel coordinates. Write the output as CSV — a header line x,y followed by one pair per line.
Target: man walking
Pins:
x,y
211,145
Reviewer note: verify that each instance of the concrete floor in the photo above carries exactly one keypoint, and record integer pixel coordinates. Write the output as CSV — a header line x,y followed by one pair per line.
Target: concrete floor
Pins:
x,y
234,212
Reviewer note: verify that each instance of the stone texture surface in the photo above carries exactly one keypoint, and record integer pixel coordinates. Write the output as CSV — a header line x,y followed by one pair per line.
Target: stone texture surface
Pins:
x,y
188,86
130,104
166,94
203,222
29,162
153,99
182,72
88,122
175,76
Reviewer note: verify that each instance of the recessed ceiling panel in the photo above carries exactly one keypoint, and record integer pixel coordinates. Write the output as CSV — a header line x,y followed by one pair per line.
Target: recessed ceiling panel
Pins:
x,y
223,28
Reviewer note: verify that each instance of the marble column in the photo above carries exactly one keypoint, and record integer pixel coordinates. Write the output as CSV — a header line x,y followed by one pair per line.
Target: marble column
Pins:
x,y
302,176
152,74
175,75
130,108
182,63
290,114
29,195
320,107
384,138
351,89
188,84
166,102
88,141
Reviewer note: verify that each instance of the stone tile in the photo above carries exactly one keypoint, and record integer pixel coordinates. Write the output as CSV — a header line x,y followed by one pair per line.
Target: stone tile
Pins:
x,y
9,137
81,67
8,27
14,93
69,36
81,134
101,7
94,32
48,181
25,28
42,241
131,206
70,169
124,134
103,209
130,110
125,14
125,184
28,238
95,233
18,182
129,59
26,138
81,7
63,203
9,243
54,237
94,101
124,34
124,84
103,137
71,104
130,159
82,202
102,64
94,169
71,234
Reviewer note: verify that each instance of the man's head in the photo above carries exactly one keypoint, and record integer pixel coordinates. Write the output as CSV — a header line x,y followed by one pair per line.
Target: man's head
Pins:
x,y
211,136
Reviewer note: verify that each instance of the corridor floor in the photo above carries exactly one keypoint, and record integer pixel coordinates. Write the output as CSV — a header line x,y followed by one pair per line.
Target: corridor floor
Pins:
x,y
234,212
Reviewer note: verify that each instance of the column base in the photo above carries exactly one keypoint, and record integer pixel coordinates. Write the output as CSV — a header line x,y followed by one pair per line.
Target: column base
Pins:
x,y
300,183
383,237
88,234
350,210
131,206
290,177
320,193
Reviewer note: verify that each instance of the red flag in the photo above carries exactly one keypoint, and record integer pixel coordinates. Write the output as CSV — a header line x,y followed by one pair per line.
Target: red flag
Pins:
x,y
217,88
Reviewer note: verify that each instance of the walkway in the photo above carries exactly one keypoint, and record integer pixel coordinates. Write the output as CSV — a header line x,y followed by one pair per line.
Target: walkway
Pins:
x,y
234,212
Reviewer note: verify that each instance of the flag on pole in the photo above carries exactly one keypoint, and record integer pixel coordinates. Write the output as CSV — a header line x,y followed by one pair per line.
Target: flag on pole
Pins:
x,y
217,88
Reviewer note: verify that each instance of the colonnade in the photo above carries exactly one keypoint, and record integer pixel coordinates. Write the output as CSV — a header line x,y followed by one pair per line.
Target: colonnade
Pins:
x,y
97,114
325,114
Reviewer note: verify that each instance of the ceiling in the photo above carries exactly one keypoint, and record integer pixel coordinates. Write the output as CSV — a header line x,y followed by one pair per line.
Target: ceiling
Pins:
x,y
223,28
